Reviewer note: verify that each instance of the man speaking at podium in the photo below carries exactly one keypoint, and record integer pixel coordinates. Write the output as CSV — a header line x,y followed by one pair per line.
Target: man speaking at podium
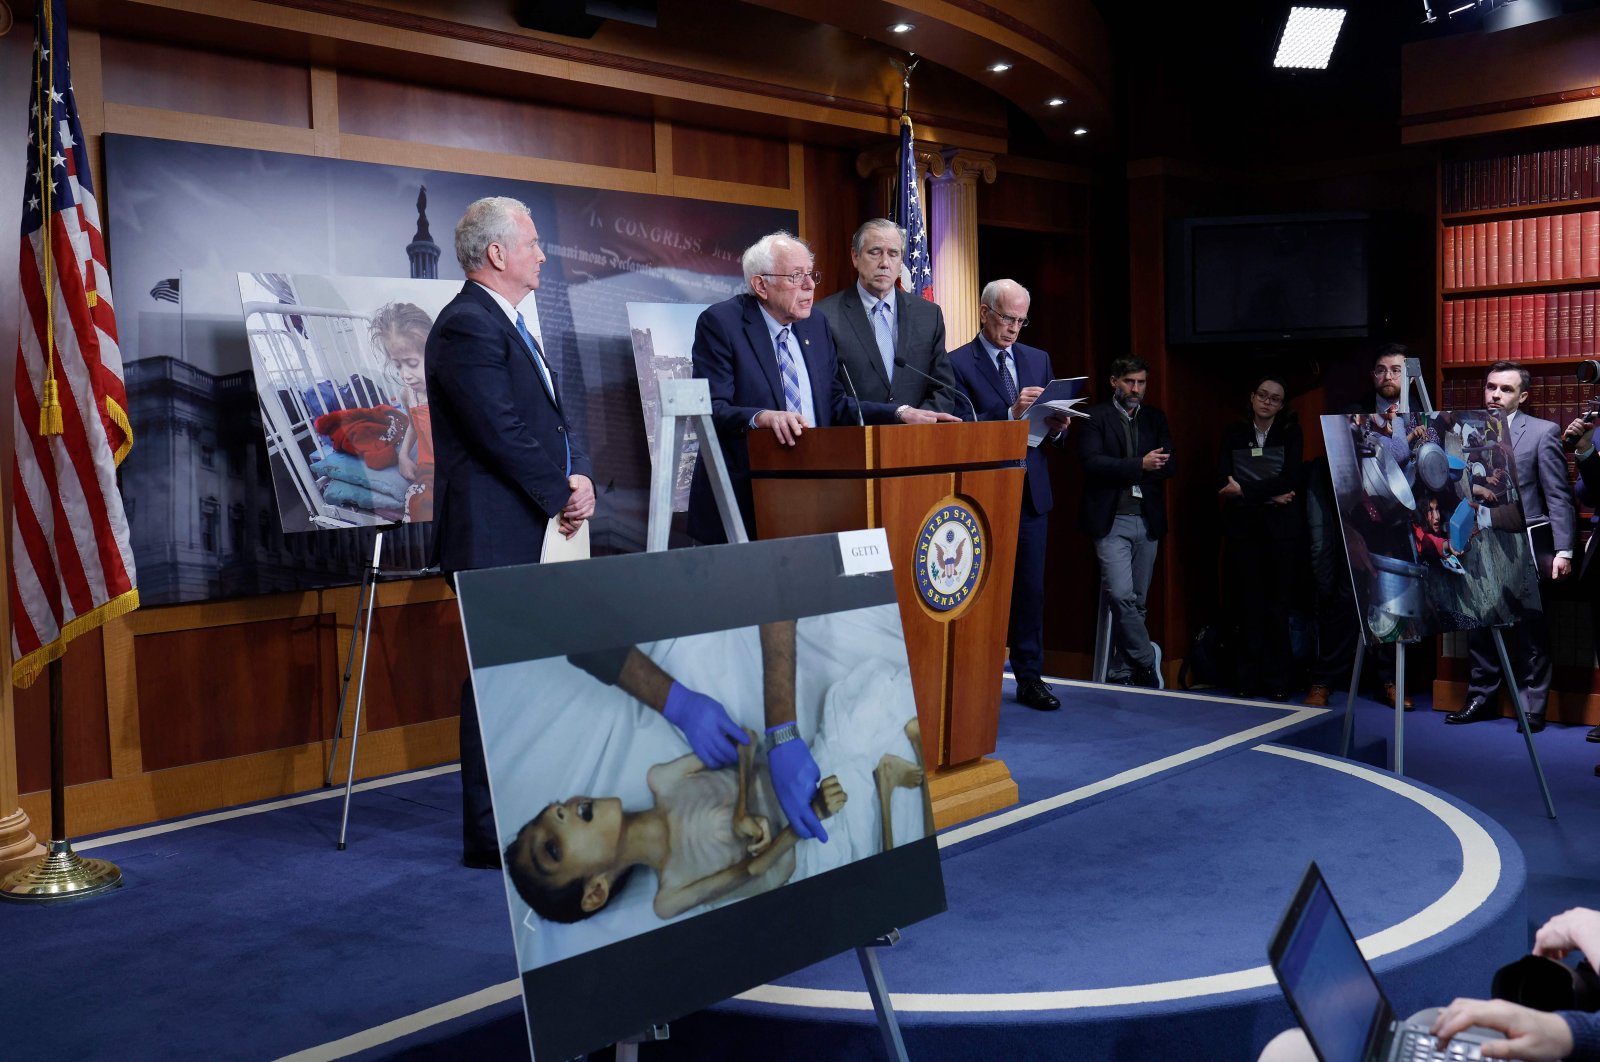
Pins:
x,y
1003,377
771,367
875,325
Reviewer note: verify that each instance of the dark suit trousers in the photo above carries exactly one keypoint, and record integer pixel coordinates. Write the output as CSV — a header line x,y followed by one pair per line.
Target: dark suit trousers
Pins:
x,y
1258,572
1528,645
1026,634
477,810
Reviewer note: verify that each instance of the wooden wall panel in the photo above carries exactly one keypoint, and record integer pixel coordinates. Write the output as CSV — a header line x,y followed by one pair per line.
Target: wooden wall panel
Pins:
x,y
88,741
417,664
836,202
216,692
724,156
1038,204
192,81
449,118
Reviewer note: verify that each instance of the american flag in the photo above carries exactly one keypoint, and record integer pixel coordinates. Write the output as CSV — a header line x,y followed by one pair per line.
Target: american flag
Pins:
x,y
71,565
919,263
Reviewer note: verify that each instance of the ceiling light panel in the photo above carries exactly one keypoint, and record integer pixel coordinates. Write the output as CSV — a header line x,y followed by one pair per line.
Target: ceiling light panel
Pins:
x,y
1308,37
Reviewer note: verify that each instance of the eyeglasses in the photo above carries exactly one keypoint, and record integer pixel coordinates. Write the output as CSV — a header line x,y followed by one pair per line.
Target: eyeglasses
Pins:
x,y
1393,370
1008,320
1267,398
797,278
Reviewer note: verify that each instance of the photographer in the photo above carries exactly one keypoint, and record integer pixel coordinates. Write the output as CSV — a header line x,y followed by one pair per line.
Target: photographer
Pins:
x,y
1579,436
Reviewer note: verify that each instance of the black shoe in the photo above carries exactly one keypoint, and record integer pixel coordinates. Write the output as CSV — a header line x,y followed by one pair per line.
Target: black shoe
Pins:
x,y
1535,722
1145,678
1593,735
489,860
1036,695
1477,710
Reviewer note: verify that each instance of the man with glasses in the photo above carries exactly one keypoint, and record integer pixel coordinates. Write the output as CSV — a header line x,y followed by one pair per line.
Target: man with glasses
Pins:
x,y
1003,378
1126,448
875,325
771,367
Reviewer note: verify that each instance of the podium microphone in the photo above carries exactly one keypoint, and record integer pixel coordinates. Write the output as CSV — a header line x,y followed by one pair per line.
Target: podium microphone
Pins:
x,y
901,363
860,420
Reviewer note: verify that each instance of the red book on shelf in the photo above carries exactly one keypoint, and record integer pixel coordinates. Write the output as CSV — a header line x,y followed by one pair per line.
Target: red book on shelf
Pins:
x,y
1508,252
1517,256
1539,396
1502,338
1558,249
1552,324
1570,396
1459,345
1565,190
1530,249
1587,344
1447,257
1545,229
1537,325
1563,324
1591,242
1480,328
1492,238
1483,253
1572,245
1514,327
1469,256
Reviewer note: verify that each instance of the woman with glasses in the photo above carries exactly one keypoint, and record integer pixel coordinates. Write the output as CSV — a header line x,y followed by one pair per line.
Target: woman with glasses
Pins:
x,y
1258,480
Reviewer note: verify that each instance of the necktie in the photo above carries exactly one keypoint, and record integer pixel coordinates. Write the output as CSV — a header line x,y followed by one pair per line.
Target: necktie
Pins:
x,y
544,374
1008,384
884,330
788,372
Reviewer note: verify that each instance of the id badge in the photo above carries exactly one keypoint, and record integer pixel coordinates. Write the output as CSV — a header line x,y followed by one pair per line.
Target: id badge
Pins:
x,y
1256,451
1137,493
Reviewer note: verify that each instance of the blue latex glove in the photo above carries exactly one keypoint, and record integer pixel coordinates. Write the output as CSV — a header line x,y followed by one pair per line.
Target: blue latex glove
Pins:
x,y
794,779
706,725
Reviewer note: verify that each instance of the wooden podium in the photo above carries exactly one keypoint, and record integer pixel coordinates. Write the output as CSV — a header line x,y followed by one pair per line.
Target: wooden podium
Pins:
x,y
948,496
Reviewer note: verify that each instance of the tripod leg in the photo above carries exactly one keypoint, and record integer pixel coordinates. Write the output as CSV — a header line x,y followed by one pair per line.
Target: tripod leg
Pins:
x,y
367,578
1350,701
1399,709
361,687
1102,637
888,1024
1522,717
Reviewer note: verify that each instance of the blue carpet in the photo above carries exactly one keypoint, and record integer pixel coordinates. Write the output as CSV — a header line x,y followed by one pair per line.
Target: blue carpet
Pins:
x,y
253,938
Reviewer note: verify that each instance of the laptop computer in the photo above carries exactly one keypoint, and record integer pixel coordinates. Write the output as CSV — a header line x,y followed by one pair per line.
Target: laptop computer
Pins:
x,y
1333,993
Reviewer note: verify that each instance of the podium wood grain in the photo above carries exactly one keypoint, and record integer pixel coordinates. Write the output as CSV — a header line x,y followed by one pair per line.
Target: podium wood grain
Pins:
x,y
838,479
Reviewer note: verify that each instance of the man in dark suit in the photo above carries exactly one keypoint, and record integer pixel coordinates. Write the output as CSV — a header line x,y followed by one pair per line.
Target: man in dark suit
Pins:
x,y
1579,435
873,323
1003,378
1127,457
507,460
771,366
1545,495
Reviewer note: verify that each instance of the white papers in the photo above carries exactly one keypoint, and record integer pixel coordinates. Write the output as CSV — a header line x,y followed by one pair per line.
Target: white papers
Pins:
x,y
1060,399
558,547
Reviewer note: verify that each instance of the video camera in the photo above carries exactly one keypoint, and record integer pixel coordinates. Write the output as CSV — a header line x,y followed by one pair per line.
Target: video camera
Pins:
x,y
1588,374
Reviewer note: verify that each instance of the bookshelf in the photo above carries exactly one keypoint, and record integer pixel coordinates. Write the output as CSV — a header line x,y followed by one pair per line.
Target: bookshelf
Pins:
x,y
1519,279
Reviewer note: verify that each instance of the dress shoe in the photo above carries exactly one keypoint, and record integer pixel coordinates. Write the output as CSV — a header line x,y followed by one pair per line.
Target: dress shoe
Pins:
x,y
1535,722
1317,696
1476,710
1593,735
489,860
1146,678
1388,698
1036,695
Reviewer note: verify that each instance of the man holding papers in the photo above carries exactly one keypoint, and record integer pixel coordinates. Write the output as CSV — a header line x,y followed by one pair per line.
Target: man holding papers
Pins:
x,y
1004,378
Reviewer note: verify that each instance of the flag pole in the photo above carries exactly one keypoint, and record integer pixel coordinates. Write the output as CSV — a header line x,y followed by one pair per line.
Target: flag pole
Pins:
x,y
61,873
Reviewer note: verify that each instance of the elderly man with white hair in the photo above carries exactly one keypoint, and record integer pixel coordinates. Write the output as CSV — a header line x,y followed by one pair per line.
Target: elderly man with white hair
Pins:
x,y
771,367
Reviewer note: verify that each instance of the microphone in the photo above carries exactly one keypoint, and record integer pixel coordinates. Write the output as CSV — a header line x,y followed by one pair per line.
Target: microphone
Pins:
x,y
849,383
901,363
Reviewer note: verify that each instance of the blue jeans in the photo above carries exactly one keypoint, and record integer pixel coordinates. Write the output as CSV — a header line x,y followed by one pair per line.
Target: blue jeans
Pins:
x,y
1127,559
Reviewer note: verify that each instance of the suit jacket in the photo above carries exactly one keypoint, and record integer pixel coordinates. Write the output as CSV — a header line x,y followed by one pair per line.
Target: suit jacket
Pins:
x,y
1588,491
1250,509
919,339
981,381
499,438
1542,482
733,353
1109,469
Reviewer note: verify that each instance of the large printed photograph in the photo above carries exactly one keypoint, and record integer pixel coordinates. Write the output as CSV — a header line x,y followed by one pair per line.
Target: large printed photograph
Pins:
x,y
185,220
625,849
1433,526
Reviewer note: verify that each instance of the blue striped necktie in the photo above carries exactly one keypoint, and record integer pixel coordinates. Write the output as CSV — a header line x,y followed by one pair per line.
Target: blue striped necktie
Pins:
x,y
884,330
789,372
1008,384
544,374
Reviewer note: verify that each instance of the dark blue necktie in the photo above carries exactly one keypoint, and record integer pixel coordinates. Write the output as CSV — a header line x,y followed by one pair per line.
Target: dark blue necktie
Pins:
x,y
1007,383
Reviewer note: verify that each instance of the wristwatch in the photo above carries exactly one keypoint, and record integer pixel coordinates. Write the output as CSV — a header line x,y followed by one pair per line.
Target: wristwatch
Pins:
x,y
900,414
783,732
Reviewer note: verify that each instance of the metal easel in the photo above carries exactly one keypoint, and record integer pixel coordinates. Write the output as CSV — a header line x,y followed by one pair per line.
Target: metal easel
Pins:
x,y
1414,379
366,604
690,400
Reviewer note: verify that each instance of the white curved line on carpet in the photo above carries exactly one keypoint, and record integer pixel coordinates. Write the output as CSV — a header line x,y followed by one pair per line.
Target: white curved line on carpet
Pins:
x,y
1480,873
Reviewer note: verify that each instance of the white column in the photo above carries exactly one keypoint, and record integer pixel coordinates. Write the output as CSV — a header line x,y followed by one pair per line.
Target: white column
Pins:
x,y
953,237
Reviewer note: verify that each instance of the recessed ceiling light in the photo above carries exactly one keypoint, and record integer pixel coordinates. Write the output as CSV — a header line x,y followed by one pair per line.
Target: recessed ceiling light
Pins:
x,y
901,27
1308,37
999,68
1056,101
1080,131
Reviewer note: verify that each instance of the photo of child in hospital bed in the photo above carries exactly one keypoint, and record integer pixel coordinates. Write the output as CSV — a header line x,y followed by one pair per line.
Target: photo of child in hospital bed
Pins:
x,y
611,827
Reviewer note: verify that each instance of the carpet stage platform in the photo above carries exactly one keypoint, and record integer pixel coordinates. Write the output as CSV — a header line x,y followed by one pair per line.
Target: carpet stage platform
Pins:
x,y
1121,911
